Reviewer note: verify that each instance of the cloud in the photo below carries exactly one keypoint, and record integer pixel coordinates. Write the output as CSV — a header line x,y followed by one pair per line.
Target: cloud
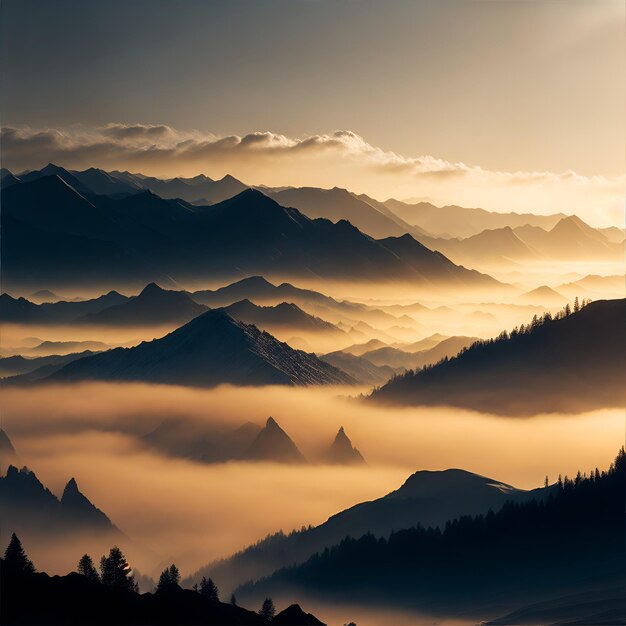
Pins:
x,y
340,158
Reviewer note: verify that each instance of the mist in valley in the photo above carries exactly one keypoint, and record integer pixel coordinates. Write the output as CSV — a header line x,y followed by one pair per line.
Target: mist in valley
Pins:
x,y
194,512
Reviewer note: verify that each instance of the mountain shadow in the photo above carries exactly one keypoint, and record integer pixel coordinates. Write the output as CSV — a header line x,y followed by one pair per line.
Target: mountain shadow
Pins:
x,y
574,362
209,350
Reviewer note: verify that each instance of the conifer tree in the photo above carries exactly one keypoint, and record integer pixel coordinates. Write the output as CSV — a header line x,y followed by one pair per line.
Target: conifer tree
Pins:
x,y
115,571
15,559
87,568
267,610
209,589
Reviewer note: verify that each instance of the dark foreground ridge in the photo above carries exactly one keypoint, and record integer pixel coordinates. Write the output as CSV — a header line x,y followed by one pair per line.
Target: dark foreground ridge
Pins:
x,y
75,599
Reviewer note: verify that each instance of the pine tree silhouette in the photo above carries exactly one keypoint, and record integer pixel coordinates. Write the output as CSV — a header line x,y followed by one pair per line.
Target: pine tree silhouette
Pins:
x,y
115,571
15,559
170,577
87,568
209,589
267,610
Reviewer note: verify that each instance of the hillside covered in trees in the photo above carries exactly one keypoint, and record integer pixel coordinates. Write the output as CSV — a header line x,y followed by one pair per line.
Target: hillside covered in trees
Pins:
x,y
574,361
487,565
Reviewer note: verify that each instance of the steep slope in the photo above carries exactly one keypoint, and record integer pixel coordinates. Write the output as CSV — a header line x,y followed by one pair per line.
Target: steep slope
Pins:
x,y
574,363
8,455
273,444
152,306
209,350
427,498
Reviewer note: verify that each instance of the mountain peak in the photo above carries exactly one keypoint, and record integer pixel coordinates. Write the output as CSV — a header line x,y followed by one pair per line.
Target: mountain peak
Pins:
x,y
151,289
274,444
71,488
342,452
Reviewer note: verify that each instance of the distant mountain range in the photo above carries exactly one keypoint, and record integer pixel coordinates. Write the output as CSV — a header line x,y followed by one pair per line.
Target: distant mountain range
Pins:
x,y
54,235
570,238
575,363
455,221
426,498
152,306
36,368
211,349
282,316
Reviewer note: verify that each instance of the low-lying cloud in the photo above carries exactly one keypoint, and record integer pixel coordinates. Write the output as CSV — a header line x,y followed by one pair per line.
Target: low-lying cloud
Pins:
x,y
340,158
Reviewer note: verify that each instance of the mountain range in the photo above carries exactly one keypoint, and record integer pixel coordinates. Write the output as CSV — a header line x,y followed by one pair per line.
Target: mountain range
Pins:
x,y
54,235
548,553
427,498
455,221
573,363
212,348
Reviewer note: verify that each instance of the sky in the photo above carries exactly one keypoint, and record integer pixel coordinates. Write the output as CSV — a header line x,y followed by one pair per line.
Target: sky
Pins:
x,y
506,104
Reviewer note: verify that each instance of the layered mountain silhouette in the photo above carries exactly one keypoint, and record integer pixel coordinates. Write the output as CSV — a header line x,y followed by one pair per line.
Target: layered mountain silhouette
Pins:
x,y
362,370
36,368
553,551
455,221
402,359
23,311
574,363
342,452
211,349
339,204
427,498
153,305
570,238
259,290
72,237
496,245
283,315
